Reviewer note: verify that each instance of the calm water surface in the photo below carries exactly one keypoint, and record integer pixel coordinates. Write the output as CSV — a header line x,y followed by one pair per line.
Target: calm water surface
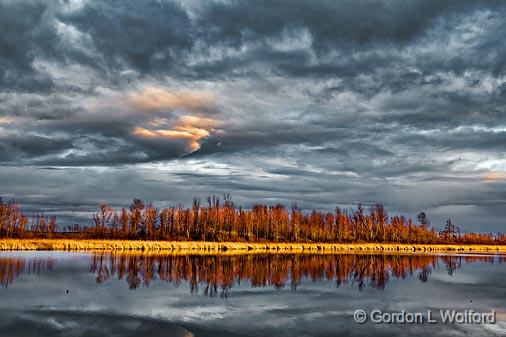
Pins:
x,y
80,294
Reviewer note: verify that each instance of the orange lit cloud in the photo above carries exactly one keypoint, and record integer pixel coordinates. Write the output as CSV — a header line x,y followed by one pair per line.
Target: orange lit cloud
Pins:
x,y
190,128
5,120
157,99
500,315
494,176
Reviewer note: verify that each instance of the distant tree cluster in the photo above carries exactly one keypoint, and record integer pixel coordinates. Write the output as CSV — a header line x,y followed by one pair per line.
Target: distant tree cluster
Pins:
x,y
14,224
220,220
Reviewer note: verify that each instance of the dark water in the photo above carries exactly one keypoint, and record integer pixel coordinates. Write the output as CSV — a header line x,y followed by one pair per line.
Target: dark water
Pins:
x,y
77,294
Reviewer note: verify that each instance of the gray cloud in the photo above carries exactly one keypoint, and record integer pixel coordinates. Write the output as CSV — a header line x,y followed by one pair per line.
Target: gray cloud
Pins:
x,y
400,102
25,33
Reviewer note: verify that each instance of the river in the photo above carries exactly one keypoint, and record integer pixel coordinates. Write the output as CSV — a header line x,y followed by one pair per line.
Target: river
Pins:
x,y
112,294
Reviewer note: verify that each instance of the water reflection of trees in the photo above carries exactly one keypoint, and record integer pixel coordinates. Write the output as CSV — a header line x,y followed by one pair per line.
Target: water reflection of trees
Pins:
x,y
12,267
216,275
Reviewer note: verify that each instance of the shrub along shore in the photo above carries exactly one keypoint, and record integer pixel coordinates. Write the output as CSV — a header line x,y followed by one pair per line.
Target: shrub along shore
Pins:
x,y
237,247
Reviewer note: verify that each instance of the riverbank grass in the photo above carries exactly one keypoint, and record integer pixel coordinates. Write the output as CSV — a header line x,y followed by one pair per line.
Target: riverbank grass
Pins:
x,y
239,247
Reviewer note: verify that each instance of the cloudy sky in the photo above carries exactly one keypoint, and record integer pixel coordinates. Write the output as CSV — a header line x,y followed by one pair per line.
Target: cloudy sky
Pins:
x,y
322,102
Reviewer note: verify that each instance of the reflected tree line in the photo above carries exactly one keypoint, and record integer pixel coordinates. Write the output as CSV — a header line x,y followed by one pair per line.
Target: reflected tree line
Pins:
x,y
221,220
215,275
12,267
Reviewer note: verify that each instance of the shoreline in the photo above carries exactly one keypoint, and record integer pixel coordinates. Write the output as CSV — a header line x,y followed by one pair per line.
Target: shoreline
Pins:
x,y
236,247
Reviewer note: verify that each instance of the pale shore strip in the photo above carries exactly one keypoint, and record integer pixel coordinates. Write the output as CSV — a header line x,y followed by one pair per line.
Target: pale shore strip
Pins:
x,y
182,247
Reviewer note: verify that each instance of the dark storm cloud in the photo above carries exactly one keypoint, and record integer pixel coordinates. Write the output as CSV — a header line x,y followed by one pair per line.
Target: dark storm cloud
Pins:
x,y
324,102
25,33
33,145
148,37
164,38
348,38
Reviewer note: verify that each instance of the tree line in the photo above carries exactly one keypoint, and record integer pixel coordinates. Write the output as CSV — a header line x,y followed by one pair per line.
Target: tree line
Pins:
x,y
219,219
15,224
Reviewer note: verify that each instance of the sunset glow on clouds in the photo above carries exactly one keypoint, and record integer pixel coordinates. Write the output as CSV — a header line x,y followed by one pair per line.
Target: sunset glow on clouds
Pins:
x,y
190,128
5,120
170,104
159,99
189,98
494,176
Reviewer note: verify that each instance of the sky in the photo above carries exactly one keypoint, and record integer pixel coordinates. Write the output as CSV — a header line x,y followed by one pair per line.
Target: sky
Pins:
x,y
325,103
